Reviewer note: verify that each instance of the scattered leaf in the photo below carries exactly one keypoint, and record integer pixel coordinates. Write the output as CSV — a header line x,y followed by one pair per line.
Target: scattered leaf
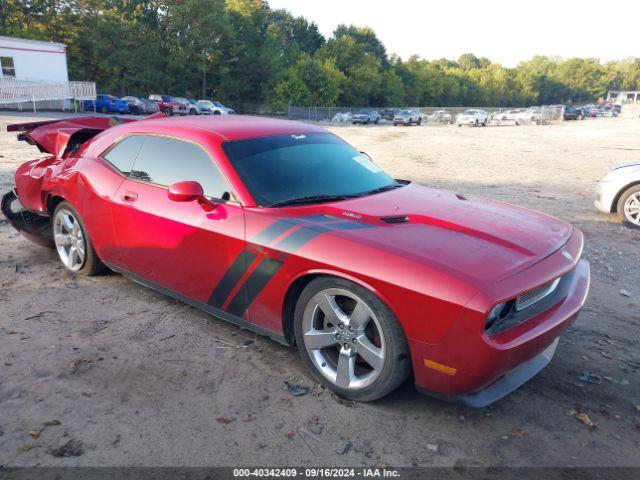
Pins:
x,y
115,440
26,447
296,390
289,435
73,448
584,418
34,433
52,423
224,420
85,393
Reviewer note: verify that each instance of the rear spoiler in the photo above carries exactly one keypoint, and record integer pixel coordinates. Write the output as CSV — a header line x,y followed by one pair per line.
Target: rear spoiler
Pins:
x,y
52,136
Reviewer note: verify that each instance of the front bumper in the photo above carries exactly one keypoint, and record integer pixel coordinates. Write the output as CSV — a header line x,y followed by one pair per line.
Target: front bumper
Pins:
x,y
511,380
478,369
605,196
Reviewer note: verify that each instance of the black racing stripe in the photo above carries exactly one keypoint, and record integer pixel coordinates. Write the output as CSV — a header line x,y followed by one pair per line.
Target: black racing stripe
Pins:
x,y
350,225
299,238
274,230
258,279
231,278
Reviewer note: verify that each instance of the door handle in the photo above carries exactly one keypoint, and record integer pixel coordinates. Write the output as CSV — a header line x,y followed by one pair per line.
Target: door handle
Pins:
x,y
130,197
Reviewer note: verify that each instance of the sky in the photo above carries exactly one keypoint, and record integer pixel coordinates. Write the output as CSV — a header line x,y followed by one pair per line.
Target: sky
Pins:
x,y
504,31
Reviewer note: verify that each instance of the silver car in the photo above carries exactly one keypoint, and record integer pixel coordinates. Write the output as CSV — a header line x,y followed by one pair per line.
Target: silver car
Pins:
x,y
407,117
619,192
365,116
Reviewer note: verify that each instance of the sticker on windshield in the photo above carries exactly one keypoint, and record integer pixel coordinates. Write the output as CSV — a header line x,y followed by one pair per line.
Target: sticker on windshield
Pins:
x,y
367,163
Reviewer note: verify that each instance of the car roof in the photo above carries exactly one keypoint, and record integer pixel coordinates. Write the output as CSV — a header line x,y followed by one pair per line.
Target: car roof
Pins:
x,y
227,127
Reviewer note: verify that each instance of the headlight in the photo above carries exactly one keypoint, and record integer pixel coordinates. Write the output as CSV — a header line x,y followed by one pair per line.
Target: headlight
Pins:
x,y
495,313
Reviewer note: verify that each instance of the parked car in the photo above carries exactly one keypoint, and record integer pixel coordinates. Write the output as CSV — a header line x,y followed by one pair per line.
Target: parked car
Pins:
x,y
165,104
407,117
506,115
571,113
140,106
106,103
472,117
365,116
619,192
530,115
196,108
375,280
184,108
439,116
387,114
217,108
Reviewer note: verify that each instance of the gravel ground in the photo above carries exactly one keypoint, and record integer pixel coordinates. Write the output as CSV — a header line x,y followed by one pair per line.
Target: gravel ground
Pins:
x,y
126,376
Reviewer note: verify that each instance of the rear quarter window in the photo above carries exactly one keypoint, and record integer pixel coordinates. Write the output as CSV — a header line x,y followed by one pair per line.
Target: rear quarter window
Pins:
x,y
124,153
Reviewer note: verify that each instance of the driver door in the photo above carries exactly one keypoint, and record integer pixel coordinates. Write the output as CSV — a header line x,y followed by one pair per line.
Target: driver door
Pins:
x,y
179,246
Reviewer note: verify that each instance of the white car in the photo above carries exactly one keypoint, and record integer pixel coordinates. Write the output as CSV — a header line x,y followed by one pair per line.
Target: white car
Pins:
x,y
530,115
619,192
439,116
474,117
506,115
216,107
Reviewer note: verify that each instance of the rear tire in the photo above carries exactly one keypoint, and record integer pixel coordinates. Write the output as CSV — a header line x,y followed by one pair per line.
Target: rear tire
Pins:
x,y
358,349
75,248
628,207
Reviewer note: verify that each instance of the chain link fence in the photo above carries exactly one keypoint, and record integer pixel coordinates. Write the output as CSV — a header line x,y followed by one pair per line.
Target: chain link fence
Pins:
x,y
431,115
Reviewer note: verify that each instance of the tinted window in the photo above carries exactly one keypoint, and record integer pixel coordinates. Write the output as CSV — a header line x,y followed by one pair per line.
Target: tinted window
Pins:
x,y
283,167
165,161
124,153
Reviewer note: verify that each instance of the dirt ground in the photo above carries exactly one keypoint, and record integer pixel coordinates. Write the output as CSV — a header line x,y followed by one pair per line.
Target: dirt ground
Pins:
x,y
135,378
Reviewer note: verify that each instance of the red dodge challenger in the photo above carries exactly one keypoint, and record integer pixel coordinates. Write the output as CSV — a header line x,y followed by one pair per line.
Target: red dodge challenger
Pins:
x,y
285,229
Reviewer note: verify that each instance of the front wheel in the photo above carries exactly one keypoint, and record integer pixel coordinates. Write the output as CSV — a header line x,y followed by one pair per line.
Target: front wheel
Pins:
x,y
629,207
350,339
193,111
72,242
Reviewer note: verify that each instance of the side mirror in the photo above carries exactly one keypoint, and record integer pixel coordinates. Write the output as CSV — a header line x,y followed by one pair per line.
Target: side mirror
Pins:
x,y
186,191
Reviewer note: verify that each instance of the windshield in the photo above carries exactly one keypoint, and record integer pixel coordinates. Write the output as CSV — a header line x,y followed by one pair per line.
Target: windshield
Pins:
x,y
471,112
363,112
283,167
218,104
404,112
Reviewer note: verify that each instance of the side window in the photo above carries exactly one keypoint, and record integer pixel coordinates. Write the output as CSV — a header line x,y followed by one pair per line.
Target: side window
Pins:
x,y
165,161
124,153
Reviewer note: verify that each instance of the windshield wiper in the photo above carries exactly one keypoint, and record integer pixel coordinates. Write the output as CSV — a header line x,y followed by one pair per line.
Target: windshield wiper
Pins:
x,y
311,199
391,186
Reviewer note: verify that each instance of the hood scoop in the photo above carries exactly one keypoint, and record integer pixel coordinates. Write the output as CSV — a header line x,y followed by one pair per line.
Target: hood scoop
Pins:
x,y
395,219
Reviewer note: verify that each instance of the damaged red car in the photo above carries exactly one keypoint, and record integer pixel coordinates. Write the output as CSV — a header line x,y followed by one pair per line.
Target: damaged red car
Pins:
x,y
283,228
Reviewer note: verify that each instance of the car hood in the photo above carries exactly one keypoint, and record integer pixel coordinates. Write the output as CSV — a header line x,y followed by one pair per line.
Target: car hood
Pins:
x,y
472,238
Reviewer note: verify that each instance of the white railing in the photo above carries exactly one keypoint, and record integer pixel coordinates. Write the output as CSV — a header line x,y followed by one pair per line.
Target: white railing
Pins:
x,y
23,91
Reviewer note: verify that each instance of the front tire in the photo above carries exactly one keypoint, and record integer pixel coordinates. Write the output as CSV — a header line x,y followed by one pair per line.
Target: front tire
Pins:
x,y
628,207
350,340
72,242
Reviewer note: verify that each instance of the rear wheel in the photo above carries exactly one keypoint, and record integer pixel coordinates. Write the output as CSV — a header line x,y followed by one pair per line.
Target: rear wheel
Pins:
x,y
193,111
350,339
629,207
73,244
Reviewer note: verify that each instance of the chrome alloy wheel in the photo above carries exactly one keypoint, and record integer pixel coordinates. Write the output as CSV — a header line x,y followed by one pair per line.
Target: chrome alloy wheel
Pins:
x,y
69,239
343,338
632,208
